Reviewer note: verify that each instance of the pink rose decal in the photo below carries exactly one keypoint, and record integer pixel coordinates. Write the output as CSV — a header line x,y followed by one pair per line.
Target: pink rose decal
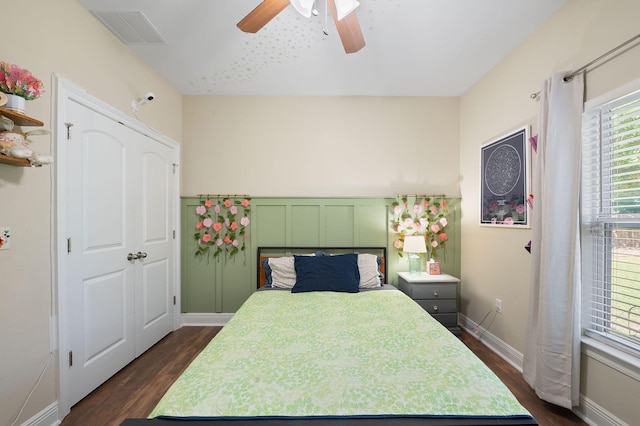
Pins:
x,y
217,227
417,208
234,226
207,222
443,237
201,210
397,244
443,222
206,238
244,221
435,228
199,225
208,203
217,208
227,203
233,210
245,203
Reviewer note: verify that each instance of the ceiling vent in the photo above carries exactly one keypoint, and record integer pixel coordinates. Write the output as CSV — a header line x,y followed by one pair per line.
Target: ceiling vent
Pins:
x,y
130,27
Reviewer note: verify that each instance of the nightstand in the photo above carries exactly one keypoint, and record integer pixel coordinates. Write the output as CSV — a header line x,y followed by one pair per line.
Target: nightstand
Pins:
x,y
437,294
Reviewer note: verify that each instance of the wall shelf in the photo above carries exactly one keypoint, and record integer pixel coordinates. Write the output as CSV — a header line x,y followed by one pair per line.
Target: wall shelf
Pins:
x,y
19,120
18,162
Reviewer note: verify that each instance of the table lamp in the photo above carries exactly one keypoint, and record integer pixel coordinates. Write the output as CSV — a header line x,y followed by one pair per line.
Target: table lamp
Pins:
x,y
414,244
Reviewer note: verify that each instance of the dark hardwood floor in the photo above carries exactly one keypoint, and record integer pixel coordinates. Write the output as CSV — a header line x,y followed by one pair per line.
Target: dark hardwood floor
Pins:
x,y
137,388
546,414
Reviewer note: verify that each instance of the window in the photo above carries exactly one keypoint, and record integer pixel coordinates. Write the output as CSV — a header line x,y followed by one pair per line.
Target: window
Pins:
x,y
610,222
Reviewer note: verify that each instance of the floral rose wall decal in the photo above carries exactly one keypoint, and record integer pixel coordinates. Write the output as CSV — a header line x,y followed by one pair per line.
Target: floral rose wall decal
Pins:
x,y
420,215
222,225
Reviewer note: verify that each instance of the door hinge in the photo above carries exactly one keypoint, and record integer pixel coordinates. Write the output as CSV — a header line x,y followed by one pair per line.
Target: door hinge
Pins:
x,y
68,245
174,234
69,126
174,300
175,166
70,358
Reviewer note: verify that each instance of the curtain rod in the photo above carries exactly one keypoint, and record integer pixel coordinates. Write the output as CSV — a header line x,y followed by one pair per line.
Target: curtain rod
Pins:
x,y
572,74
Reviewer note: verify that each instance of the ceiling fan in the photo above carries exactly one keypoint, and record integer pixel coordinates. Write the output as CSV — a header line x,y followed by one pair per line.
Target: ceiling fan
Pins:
x,y
343,12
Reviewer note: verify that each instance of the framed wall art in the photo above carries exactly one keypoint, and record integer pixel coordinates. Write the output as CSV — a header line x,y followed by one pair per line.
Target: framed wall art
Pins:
x,y
504,179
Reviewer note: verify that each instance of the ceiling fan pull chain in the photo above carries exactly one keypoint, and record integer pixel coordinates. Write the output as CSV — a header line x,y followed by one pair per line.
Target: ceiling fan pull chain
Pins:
x,y
325,30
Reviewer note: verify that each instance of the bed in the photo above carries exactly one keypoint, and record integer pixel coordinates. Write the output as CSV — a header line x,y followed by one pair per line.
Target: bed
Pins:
x,y
305,350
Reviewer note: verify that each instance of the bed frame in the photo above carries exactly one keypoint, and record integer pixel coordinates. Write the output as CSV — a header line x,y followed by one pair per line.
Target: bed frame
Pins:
x,y
330,421
267,252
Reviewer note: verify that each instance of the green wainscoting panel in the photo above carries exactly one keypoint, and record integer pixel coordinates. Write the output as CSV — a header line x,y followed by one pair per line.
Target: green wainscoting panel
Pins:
x,y
372,224
223,284
305,225
276,216
338,226
197,276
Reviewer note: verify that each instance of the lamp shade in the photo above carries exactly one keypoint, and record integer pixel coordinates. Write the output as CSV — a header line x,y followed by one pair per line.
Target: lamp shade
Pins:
x,y
414,244
304,7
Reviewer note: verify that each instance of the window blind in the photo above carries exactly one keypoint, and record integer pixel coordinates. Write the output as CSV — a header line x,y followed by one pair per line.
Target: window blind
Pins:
x,y
610,222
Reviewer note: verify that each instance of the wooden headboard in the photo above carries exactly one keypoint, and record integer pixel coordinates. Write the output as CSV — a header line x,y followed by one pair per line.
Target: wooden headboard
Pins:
x,y
267,252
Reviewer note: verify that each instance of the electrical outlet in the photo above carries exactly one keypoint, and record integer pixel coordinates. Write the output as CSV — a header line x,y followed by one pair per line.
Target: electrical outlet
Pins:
x,y
499,306
5,238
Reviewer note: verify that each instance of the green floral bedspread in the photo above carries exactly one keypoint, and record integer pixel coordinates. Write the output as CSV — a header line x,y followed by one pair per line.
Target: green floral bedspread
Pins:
x,y
323,353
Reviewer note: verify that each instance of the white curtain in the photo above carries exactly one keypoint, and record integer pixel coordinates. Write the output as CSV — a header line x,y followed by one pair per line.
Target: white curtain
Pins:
x,y
552,347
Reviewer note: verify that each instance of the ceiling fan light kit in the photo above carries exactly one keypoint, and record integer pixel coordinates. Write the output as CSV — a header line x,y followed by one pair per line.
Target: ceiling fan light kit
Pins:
x,y
304,7
344,17
345,7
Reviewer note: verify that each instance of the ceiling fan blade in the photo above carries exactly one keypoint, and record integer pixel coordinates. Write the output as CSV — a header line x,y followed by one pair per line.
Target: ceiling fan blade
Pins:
x,y
261,15
348,29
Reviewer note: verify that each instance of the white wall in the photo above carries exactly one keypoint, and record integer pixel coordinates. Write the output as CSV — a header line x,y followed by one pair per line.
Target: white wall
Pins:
x,y
494,263
320,146
49,37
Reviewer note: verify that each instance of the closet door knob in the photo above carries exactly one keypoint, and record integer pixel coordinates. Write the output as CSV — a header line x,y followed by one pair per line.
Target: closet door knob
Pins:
x,y
132,256
141,255
435,308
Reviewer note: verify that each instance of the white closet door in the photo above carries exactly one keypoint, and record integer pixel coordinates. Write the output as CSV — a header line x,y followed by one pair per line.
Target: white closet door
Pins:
x,y
100,227
154,242
120,268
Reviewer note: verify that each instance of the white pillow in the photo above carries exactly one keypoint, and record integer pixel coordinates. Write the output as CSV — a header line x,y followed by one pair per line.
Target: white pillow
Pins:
x,y
283,272
369,272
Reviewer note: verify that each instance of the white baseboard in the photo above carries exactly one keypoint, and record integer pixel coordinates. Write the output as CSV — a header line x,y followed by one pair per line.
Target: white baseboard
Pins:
x,y
217,320
500,347
47,417
595,415
588,411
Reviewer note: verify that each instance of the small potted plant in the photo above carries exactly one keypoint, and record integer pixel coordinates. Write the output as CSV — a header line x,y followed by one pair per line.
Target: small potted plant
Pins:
x,y
19,85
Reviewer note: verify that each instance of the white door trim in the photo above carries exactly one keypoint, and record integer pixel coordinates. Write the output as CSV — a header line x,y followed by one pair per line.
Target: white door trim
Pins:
x,y
63,90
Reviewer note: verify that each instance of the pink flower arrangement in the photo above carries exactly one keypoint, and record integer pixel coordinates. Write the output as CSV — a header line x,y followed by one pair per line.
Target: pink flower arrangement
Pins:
x,y
19,81
221,226
426,216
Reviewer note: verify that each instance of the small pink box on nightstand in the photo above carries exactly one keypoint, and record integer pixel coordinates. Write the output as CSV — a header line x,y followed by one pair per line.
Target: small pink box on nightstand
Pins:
x,y
433,268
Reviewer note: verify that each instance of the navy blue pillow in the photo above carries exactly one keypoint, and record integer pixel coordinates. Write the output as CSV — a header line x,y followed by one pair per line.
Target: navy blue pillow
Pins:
x,y
268,281
327,273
